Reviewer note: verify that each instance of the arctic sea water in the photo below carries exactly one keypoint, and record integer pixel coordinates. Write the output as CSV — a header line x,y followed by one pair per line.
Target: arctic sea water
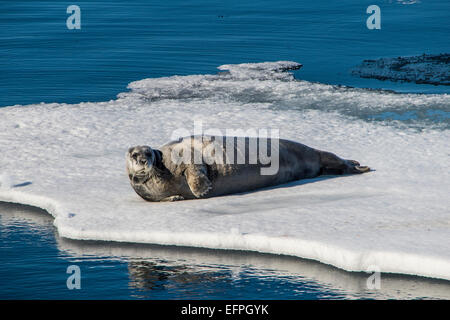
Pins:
x,y
118,43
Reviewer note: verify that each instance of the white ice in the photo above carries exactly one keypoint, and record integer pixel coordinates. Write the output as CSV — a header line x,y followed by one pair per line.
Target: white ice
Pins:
x,y
69,160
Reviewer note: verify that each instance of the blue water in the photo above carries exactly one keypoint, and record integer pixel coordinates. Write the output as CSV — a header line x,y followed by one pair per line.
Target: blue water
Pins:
x,y
123,41
34,261
119,42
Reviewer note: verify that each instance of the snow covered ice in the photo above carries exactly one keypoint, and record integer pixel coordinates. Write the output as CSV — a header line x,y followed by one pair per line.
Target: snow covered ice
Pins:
x,y
70,161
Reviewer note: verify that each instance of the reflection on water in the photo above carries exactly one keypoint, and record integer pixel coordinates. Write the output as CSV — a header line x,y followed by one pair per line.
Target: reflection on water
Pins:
x,y
34,261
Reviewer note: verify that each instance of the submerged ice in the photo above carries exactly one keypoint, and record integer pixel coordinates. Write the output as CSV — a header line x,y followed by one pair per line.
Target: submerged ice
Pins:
x,y
427,68
69,160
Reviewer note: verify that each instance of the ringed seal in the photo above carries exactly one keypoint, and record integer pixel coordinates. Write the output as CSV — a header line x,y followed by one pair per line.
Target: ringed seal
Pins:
x,y
208,166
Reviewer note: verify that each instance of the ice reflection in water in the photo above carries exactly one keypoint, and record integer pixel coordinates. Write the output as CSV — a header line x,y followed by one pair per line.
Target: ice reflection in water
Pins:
x,y
123,270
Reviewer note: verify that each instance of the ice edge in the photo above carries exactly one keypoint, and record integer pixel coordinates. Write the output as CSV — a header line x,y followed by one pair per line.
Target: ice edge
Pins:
x,y
342,258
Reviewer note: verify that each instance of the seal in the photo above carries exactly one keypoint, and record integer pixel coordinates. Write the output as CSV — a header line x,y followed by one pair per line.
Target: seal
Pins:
x,y
207,166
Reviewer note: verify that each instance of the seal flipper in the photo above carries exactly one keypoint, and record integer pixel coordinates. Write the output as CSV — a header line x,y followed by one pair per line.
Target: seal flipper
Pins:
x,y
331,164
198,181
360,169
172,198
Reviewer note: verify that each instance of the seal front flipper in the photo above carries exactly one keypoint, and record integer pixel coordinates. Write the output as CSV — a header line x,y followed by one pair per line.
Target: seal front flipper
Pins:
x,y
198,181
172,198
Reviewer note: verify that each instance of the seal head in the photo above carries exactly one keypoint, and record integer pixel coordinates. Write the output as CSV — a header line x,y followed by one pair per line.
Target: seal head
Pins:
x,y
140,160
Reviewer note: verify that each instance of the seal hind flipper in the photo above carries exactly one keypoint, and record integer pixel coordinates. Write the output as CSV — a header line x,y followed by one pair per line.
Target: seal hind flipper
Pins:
x,y
361,169
198,181
331,164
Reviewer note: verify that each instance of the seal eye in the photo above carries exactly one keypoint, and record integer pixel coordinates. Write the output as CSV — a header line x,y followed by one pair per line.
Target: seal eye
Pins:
x,y
134,156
